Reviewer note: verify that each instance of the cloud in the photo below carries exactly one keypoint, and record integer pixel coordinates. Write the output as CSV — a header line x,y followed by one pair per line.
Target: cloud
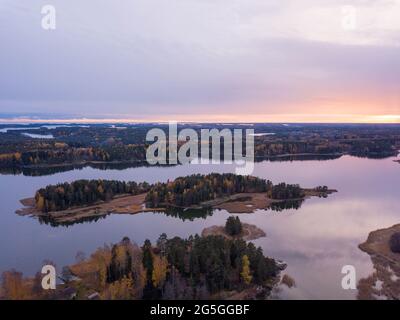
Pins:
x,y
186,57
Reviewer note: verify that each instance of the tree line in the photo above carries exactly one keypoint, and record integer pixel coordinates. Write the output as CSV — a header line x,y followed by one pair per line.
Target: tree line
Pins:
x,y
84,192
195,189
69,155
283,191
103,143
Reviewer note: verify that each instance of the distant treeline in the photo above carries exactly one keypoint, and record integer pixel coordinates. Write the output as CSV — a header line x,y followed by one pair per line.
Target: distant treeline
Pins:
x,y
59,153
356,147
103,143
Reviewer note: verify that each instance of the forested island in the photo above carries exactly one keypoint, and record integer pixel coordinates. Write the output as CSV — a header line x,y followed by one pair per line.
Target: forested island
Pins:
x,y
126,145
212,267
82,199
235,229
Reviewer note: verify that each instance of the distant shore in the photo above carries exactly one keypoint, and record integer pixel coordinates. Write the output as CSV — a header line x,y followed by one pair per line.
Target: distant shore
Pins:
x,y
258,158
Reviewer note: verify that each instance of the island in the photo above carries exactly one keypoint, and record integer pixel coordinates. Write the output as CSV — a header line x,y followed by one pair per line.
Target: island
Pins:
x,y
383,246
69,202
198,267
235,229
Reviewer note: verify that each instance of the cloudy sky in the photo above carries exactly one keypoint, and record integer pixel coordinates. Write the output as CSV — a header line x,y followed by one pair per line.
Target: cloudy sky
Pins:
x,y
203,60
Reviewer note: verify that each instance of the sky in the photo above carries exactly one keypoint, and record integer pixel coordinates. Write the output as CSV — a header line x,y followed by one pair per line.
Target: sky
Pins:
x,y
202,60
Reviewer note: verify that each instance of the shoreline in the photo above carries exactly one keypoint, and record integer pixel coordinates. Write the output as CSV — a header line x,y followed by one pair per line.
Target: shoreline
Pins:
x,y
251,202
124,204
85,163
249,232
382,284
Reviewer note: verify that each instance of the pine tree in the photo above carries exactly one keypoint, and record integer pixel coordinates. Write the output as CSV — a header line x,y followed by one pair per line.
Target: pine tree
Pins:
x,y
148,260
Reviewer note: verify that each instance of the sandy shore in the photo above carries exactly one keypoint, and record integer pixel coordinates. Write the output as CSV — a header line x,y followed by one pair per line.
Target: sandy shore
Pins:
x,y
126,204
250,202
384,283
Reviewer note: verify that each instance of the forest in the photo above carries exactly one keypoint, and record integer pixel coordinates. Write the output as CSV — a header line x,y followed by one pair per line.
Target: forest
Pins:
x,y
176,268
84,192
283,191
59,153
196,189
127,144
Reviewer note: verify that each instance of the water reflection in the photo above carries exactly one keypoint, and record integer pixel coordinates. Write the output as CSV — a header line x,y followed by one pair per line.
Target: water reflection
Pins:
x,y
44,170
286,205
37,171
179,213
183,214
53,223
188,214
316,237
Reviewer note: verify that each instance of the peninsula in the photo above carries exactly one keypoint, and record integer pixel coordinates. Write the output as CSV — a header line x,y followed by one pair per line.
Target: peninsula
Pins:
x,y
383,246
219,268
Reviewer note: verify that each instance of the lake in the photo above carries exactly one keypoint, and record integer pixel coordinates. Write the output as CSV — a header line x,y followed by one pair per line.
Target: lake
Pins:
x,y
316,240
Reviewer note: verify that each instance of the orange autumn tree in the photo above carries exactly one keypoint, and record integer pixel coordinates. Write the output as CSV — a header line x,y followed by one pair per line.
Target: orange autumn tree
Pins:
x,y
13,286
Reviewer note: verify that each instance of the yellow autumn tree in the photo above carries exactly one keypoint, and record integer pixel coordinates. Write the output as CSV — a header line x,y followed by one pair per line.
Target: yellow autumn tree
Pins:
x,y
39,202
160,265
100,189
101,260
120,290
246,274
121,255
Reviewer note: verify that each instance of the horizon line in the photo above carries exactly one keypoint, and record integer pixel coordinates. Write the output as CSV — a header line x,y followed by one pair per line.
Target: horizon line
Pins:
x,y
222,118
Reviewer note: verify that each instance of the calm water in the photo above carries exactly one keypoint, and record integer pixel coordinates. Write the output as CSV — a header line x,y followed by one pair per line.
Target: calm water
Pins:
x,y
315,240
